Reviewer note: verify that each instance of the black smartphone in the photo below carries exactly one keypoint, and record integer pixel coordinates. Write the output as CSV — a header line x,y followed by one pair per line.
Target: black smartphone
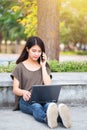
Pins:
x,y
42,57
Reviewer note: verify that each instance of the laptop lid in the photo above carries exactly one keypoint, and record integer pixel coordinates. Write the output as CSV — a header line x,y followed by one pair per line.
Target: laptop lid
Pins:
x,y
45,93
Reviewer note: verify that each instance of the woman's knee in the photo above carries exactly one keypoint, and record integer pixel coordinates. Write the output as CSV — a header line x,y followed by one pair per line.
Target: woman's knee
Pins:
x,y
36,106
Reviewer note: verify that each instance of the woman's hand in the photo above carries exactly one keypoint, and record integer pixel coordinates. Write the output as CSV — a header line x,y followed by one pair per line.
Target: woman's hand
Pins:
x,y
43,59
26,95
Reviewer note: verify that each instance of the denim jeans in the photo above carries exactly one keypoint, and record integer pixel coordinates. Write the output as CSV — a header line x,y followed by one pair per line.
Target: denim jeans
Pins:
x,y
37,110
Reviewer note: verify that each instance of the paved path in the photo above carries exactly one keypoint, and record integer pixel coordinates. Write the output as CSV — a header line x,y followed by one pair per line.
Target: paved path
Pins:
x,y
10,120
8,57
72,58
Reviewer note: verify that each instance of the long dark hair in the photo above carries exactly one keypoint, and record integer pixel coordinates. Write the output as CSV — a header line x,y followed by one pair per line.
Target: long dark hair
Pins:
x,y
33,40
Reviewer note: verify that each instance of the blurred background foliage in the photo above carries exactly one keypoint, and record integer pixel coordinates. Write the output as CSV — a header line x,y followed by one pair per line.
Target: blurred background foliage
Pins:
x,y
55,66
18,20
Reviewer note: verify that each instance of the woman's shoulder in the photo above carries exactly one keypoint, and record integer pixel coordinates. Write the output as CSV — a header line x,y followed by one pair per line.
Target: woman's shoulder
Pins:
x,y
17,71
19,66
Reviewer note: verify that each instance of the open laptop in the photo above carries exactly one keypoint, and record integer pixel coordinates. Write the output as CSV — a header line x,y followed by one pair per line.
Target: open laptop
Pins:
x,y
45,93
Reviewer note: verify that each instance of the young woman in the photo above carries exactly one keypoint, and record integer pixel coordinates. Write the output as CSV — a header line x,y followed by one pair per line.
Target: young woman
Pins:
x,y
32,69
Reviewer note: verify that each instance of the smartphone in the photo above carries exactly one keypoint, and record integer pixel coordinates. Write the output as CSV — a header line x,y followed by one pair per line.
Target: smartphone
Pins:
x,y
42,56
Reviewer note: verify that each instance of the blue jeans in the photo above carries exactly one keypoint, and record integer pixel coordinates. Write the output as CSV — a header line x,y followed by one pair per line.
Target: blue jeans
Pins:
x,y
37,110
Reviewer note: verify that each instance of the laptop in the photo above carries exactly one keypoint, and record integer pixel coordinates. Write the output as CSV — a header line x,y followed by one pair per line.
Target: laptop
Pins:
x,y
44,93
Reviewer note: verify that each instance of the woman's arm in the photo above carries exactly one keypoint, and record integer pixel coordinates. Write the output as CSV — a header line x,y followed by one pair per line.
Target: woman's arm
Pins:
x,y
46,76
19,92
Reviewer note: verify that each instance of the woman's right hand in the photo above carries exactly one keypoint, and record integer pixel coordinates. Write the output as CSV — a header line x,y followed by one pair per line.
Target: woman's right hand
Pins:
x,y
26,95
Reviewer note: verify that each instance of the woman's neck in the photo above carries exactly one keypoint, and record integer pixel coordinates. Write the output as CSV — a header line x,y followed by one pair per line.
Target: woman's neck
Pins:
x,y
32,61
31,65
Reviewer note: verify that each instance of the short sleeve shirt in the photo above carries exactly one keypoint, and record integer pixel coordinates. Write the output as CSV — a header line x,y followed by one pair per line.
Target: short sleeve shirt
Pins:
x,y
27,78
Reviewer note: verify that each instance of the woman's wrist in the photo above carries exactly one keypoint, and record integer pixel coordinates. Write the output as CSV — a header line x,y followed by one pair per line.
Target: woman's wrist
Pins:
x,y
43,67
23,92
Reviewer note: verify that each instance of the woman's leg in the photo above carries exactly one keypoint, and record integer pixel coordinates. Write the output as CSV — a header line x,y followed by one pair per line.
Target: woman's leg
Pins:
x,y
25,106
38,112
34,109
45,107
47,113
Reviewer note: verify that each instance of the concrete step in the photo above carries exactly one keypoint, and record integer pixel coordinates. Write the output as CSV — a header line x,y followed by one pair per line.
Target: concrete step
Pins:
x,y
74,88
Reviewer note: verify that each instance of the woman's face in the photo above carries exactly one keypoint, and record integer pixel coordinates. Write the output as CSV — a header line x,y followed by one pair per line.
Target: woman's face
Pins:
x,y
34,52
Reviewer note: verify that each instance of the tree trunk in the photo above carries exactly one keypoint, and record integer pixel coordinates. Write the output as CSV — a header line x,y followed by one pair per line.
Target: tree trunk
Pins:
x,y
48,26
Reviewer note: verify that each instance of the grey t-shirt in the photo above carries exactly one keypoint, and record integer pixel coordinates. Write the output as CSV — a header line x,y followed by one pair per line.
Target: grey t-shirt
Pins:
x,y
26,79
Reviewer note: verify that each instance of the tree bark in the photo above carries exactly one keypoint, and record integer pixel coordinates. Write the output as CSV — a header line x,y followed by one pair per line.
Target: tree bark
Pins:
x,y
48,26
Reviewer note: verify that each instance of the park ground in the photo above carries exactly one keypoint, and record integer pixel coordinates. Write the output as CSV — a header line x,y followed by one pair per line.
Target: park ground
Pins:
x,y
16,120
9,57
